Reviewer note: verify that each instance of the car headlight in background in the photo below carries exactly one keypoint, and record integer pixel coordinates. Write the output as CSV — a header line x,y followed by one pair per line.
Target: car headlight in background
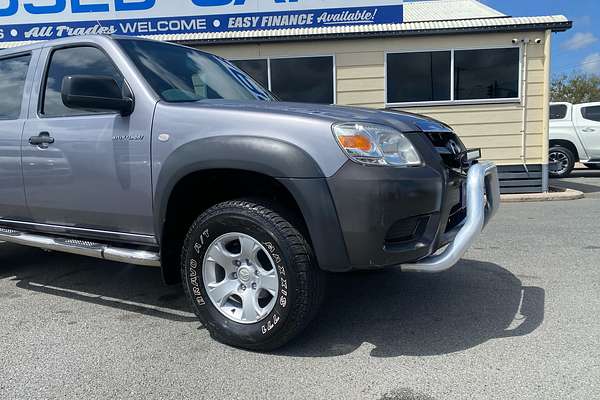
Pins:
x,y
375,144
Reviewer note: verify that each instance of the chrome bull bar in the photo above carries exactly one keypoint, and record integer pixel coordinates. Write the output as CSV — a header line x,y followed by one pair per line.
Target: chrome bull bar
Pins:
x,y
483,200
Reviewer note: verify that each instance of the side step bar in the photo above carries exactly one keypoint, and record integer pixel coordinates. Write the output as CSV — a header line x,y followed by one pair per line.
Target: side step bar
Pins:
x,y
82,248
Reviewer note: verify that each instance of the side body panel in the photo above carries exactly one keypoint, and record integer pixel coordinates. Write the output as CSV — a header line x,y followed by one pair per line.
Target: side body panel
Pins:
x,y
564,129
588,130
202,138
97,173
13,205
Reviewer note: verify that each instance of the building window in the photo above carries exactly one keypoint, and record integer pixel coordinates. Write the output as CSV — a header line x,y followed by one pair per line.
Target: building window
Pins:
x,y
558,111
486,74
257,69
591,113
418,76
453,76
301,79
13,72
306,79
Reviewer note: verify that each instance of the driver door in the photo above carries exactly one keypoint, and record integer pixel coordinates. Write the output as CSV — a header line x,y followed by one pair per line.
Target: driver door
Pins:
x,y
86,169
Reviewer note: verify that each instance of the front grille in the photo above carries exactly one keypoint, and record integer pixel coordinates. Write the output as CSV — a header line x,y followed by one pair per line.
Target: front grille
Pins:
x,y
457,216
449,147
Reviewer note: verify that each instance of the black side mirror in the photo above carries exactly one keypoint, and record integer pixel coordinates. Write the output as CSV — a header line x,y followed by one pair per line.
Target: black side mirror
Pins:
x,y
95,92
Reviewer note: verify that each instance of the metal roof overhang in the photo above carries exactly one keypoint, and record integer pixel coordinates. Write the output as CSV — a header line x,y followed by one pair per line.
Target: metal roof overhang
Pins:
x,y
475,26
557,23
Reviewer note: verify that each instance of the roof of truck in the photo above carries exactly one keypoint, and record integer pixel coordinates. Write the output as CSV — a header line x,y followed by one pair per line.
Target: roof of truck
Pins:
x,y
66,41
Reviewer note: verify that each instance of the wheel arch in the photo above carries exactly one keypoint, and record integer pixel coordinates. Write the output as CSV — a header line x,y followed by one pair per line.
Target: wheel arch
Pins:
x,y
252,167
567,144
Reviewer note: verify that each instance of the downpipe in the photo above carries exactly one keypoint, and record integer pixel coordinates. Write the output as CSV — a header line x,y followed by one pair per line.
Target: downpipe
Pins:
x,y
483,201
524,91
82,248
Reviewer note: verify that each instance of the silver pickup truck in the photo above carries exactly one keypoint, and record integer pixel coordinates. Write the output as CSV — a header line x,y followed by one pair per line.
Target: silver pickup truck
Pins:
x,y
160,155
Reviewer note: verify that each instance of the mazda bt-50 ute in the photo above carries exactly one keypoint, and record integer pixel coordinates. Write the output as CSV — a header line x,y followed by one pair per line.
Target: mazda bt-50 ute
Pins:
x,y
160,155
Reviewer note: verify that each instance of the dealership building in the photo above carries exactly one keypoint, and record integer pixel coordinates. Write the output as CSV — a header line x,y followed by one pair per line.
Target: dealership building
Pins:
x,y
484,73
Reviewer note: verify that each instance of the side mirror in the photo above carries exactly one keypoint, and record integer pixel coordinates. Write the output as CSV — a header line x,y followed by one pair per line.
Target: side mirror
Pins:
x,y
95,92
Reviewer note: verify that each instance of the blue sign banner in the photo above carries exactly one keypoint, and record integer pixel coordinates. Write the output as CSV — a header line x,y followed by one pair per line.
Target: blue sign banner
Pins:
x,y
145,22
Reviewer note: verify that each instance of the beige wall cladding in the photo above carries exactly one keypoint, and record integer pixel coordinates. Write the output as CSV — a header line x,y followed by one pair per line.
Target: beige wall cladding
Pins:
x,y
358,85
361,72
360,81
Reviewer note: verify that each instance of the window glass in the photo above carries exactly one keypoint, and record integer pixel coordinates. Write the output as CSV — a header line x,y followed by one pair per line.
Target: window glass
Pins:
x,y
304,79
180,74
423,76
257,69
558,111
13,72
591,113
74,61
486,74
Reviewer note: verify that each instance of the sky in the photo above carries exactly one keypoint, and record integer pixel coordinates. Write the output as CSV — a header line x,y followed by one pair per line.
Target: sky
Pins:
x,y
578,49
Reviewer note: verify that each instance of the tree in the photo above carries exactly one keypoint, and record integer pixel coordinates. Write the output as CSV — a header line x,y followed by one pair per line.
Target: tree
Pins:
x,y
576,88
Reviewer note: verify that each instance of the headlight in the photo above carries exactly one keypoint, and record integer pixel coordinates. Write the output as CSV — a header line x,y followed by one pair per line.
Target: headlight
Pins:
x,y
376,144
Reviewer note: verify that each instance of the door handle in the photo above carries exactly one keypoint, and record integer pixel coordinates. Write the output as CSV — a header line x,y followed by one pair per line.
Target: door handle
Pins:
x,y
588,130
42,140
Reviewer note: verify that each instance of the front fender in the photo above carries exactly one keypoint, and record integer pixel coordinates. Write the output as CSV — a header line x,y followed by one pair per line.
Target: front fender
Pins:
x,y
267,156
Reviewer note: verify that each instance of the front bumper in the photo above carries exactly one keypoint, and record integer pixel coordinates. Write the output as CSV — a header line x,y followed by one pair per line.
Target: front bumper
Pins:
x,y
482,201
368,217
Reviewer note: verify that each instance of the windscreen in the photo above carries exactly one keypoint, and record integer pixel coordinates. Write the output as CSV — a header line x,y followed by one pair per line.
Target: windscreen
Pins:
x,y
182,74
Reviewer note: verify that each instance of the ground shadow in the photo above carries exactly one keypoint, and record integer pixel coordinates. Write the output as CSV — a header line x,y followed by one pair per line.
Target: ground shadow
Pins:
x,y
397,313
421,315
130,288
581,179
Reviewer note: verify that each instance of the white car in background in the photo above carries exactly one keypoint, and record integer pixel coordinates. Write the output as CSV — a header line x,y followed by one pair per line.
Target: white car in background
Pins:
x,y
574,136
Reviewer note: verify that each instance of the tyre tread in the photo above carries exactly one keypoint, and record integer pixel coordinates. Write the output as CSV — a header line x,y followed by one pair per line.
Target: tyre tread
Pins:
x,y
310,279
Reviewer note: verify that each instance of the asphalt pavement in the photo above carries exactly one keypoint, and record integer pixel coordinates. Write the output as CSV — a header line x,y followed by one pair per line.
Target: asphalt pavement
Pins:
x,y
518,318
583,179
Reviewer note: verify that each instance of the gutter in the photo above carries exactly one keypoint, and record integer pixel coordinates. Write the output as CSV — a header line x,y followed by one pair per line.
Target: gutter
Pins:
x,y
534,27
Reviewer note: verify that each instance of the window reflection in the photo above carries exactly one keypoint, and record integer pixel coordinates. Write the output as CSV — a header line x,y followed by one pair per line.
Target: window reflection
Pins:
x,y
13,72
179,74
74,61
257,69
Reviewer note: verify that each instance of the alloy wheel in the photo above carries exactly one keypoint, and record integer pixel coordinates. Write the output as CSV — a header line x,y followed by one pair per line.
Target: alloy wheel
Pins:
x,y
561,159
240,278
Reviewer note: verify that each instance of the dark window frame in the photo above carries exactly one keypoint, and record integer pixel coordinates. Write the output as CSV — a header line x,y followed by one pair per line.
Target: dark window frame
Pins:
x,y
44,81
444,53
585,115
29,54
563,107
453,100
268,69
319,55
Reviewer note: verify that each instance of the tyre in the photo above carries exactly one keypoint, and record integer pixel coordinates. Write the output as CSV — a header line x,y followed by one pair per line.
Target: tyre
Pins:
x,y
564,159
592,166
250,276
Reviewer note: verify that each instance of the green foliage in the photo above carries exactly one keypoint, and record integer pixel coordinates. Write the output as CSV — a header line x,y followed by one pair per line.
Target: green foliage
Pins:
x,y
576,88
